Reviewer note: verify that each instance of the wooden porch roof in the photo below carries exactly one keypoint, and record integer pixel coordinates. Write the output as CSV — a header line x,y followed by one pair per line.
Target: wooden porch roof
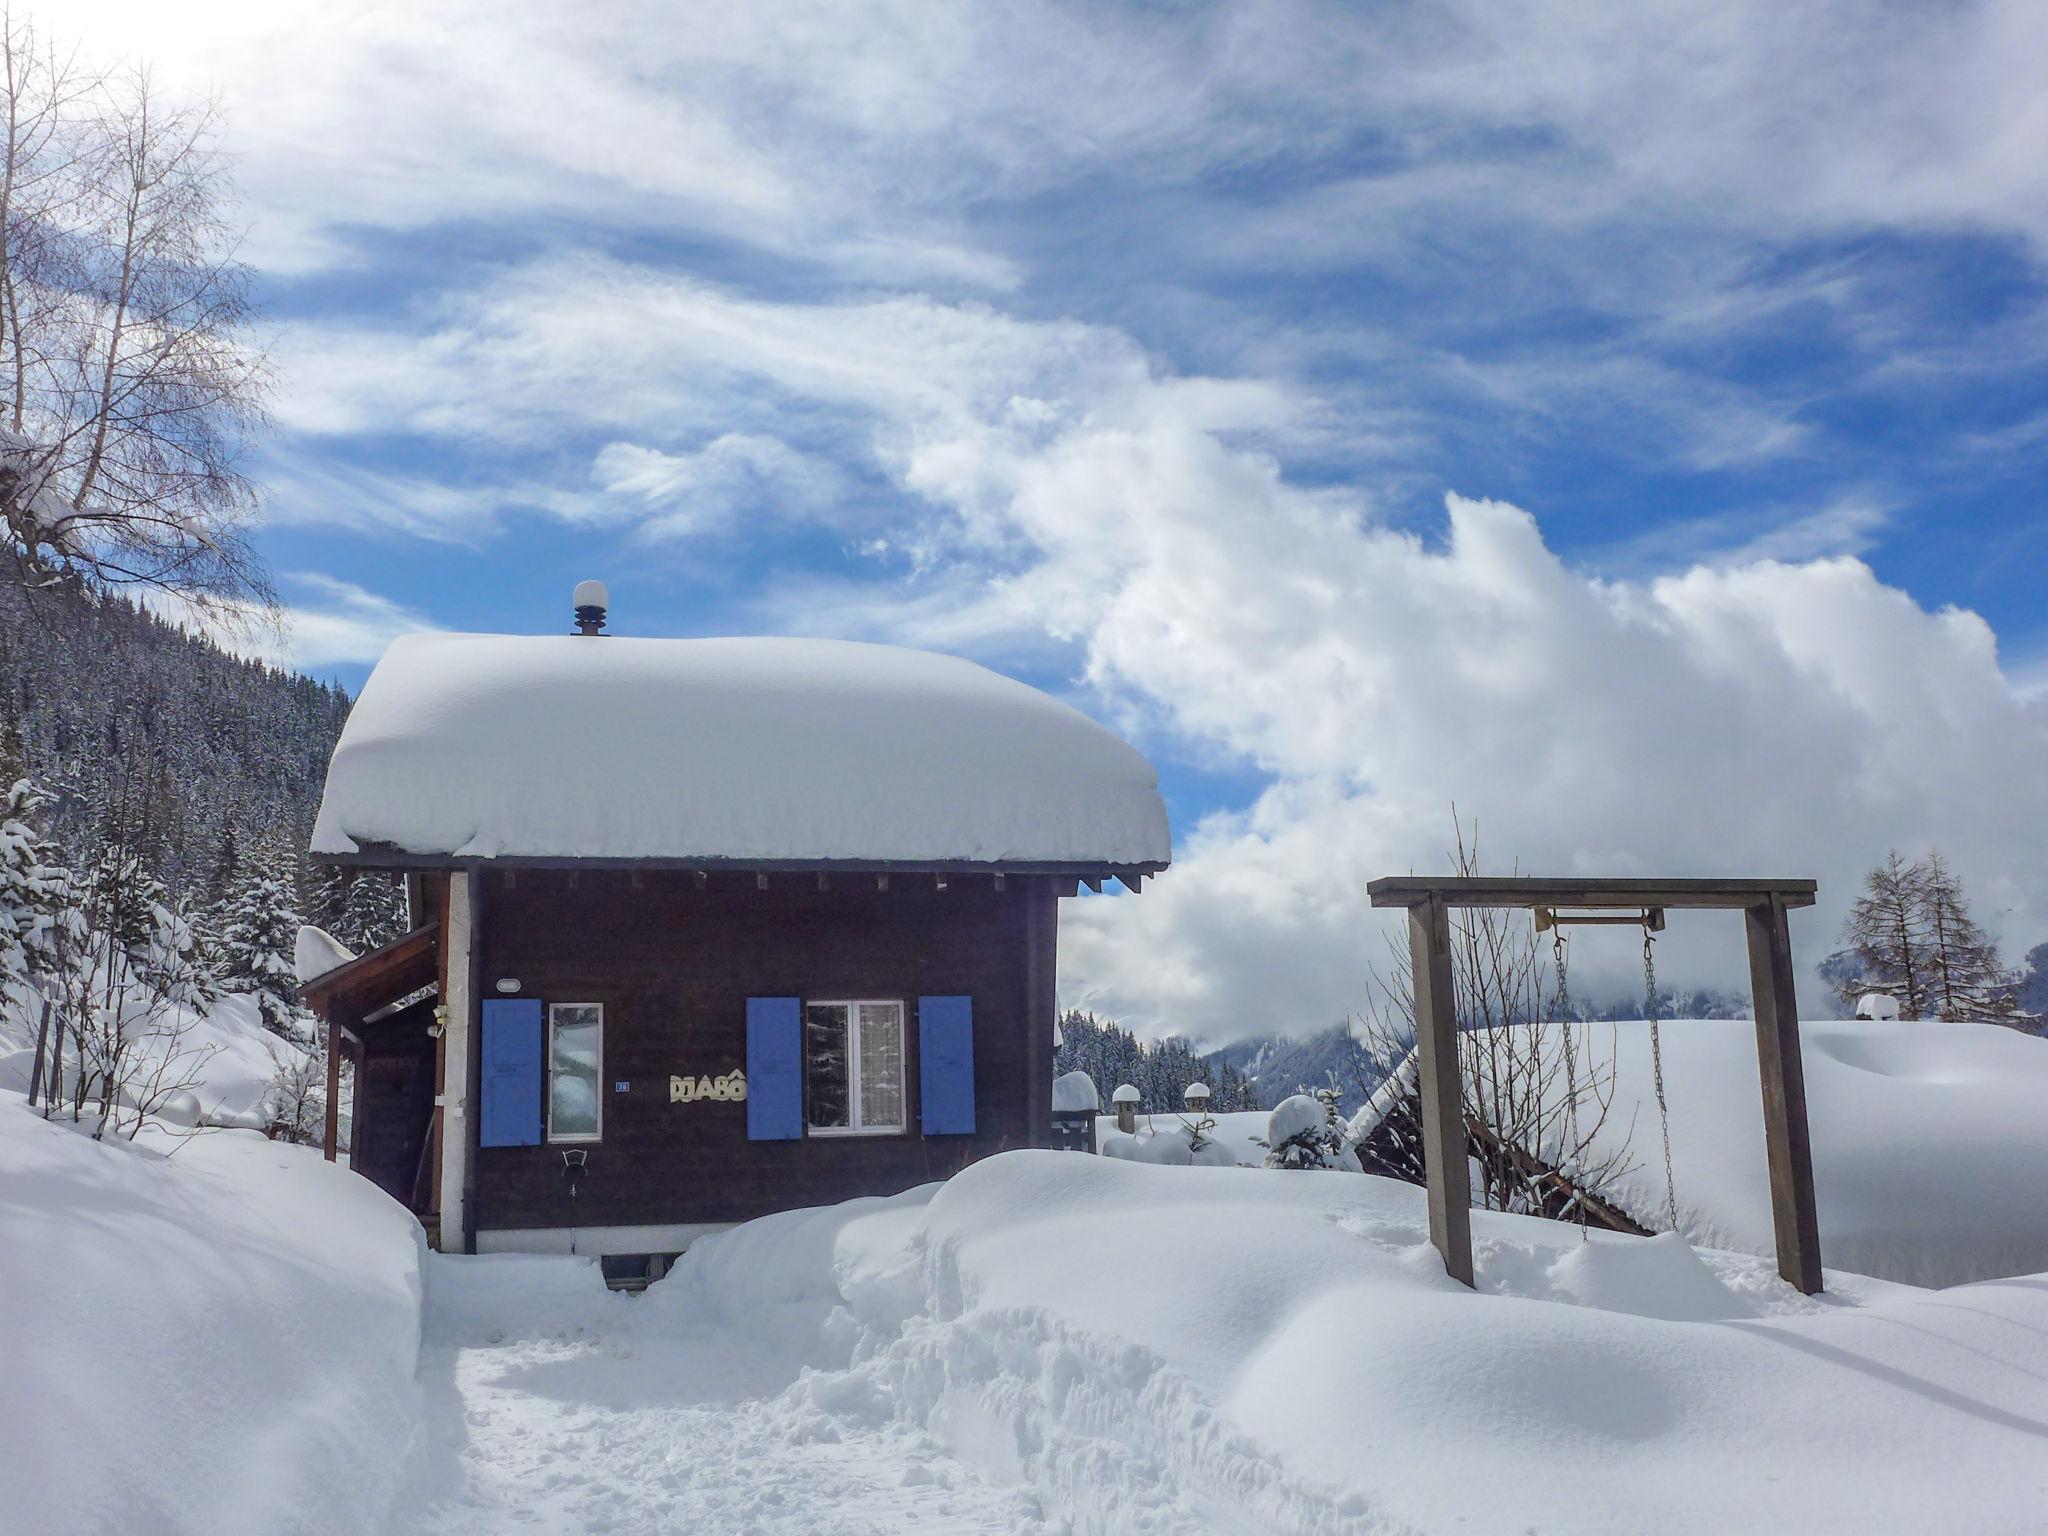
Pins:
x,y
383,975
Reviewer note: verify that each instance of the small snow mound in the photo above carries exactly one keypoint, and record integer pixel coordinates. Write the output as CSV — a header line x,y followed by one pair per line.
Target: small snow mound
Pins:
x,y
1075,1092
318,952
1647,1277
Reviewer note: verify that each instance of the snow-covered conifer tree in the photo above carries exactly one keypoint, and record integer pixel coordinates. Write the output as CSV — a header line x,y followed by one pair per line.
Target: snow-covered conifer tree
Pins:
x,y
32,884
258,929
373,913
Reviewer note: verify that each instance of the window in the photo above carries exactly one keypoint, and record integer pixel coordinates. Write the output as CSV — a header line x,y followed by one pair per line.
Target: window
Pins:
x,y
575,1071
854,1067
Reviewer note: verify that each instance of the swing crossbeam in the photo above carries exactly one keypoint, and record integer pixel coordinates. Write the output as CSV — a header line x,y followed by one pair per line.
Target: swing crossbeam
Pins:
x,y
1764,905
1651,918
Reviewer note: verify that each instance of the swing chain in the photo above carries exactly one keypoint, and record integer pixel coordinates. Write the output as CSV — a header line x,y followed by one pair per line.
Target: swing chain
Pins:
x,y
1657,1064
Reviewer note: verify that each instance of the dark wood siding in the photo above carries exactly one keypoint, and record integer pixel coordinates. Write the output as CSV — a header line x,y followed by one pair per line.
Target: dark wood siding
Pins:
x,y
674,964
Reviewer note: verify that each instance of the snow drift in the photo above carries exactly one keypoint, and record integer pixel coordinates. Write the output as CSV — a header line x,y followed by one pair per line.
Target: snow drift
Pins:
x,y
219,1341
1222,1349
482,746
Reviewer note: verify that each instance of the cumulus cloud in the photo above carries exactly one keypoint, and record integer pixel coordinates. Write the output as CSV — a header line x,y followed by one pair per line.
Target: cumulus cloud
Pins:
x,y
1758,719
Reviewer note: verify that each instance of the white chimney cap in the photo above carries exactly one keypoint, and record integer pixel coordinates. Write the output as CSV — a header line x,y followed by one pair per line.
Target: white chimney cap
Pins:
x,y
1196,1091
591,594
1125,1094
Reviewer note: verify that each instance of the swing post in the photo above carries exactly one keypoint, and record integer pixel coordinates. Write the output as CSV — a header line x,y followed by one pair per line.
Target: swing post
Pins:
x,y
1441,1086
1794,1220
1637,903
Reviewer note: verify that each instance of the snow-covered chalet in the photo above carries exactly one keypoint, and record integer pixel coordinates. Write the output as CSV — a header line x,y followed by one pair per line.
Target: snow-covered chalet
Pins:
x,y
704,929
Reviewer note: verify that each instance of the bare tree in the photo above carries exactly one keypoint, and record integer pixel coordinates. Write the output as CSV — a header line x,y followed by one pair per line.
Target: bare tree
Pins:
x,y
296,1105
1888,935
1539,1090
127,977
134,382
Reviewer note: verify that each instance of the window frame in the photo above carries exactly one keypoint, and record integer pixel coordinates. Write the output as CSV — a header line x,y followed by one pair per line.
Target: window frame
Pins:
x,y
856,1096
573,1137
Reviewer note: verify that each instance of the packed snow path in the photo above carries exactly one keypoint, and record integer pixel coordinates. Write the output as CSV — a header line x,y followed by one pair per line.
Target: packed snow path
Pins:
x,y
551,1406
595,1425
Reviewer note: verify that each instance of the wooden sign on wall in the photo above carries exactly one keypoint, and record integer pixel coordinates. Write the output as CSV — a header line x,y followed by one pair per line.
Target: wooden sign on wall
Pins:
x,y
729,1089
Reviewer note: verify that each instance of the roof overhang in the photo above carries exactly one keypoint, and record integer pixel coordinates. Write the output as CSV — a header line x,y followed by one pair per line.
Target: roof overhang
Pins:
x,y
383,856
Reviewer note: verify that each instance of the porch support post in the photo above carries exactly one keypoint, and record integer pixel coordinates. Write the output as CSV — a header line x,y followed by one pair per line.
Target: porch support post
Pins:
x,y
1041,918
1784,1084
1441,1086
333,1088
456,1047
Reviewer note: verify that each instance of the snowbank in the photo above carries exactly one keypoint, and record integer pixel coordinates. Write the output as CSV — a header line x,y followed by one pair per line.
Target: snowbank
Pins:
x,y
1224,1349
491,745
1929,1142
222,1340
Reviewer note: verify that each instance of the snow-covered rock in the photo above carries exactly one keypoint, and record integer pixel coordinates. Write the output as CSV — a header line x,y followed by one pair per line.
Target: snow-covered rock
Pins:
x,y
491,745
317,952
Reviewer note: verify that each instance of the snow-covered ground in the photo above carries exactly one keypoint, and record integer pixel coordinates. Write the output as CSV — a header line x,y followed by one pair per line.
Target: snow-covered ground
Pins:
x,y
1057,1342
234,1338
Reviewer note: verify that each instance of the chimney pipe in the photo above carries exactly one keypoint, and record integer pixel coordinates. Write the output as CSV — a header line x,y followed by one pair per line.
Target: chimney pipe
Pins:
x,y
591,601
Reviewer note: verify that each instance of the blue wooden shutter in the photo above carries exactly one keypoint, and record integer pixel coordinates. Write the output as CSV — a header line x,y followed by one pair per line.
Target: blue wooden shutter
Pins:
x,y
945,1065
512,1074
775,1069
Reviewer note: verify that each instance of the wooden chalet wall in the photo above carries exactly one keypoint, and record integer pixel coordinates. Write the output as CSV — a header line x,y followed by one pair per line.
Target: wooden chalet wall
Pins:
x,y
674,963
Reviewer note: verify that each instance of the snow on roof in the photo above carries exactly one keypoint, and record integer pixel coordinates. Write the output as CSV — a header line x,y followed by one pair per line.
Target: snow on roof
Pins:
x,y
490,746
317,952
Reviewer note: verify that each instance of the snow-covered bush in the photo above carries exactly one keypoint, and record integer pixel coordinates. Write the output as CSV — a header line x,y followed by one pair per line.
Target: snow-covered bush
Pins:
x,y
1305,1131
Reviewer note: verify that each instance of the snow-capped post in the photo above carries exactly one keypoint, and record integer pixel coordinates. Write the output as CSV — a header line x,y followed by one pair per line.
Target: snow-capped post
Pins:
x,y
1126,1101
591,601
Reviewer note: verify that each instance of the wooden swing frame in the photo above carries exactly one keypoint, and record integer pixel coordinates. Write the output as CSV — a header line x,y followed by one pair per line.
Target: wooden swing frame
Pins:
x,y
1763,903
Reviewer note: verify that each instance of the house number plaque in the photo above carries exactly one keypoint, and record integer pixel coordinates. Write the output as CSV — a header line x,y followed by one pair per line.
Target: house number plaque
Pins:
x,y
729,1089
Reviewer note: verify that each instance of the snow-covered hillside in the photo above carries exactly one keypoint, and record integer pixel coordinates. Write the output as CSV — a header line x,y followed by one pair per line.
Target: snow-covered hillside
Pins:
x,y
240,1057
1930,1142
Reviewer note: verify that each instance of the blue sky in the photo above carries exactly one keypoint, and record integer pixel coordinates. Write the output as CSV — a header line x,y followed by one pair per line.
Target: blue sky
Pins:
x,y
1137,352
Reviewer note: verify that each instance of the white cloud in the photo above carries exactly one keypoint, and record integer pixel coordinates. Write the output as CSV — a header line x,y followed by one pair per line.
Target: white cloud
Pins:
x,y
1732,714
324,622
679,495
